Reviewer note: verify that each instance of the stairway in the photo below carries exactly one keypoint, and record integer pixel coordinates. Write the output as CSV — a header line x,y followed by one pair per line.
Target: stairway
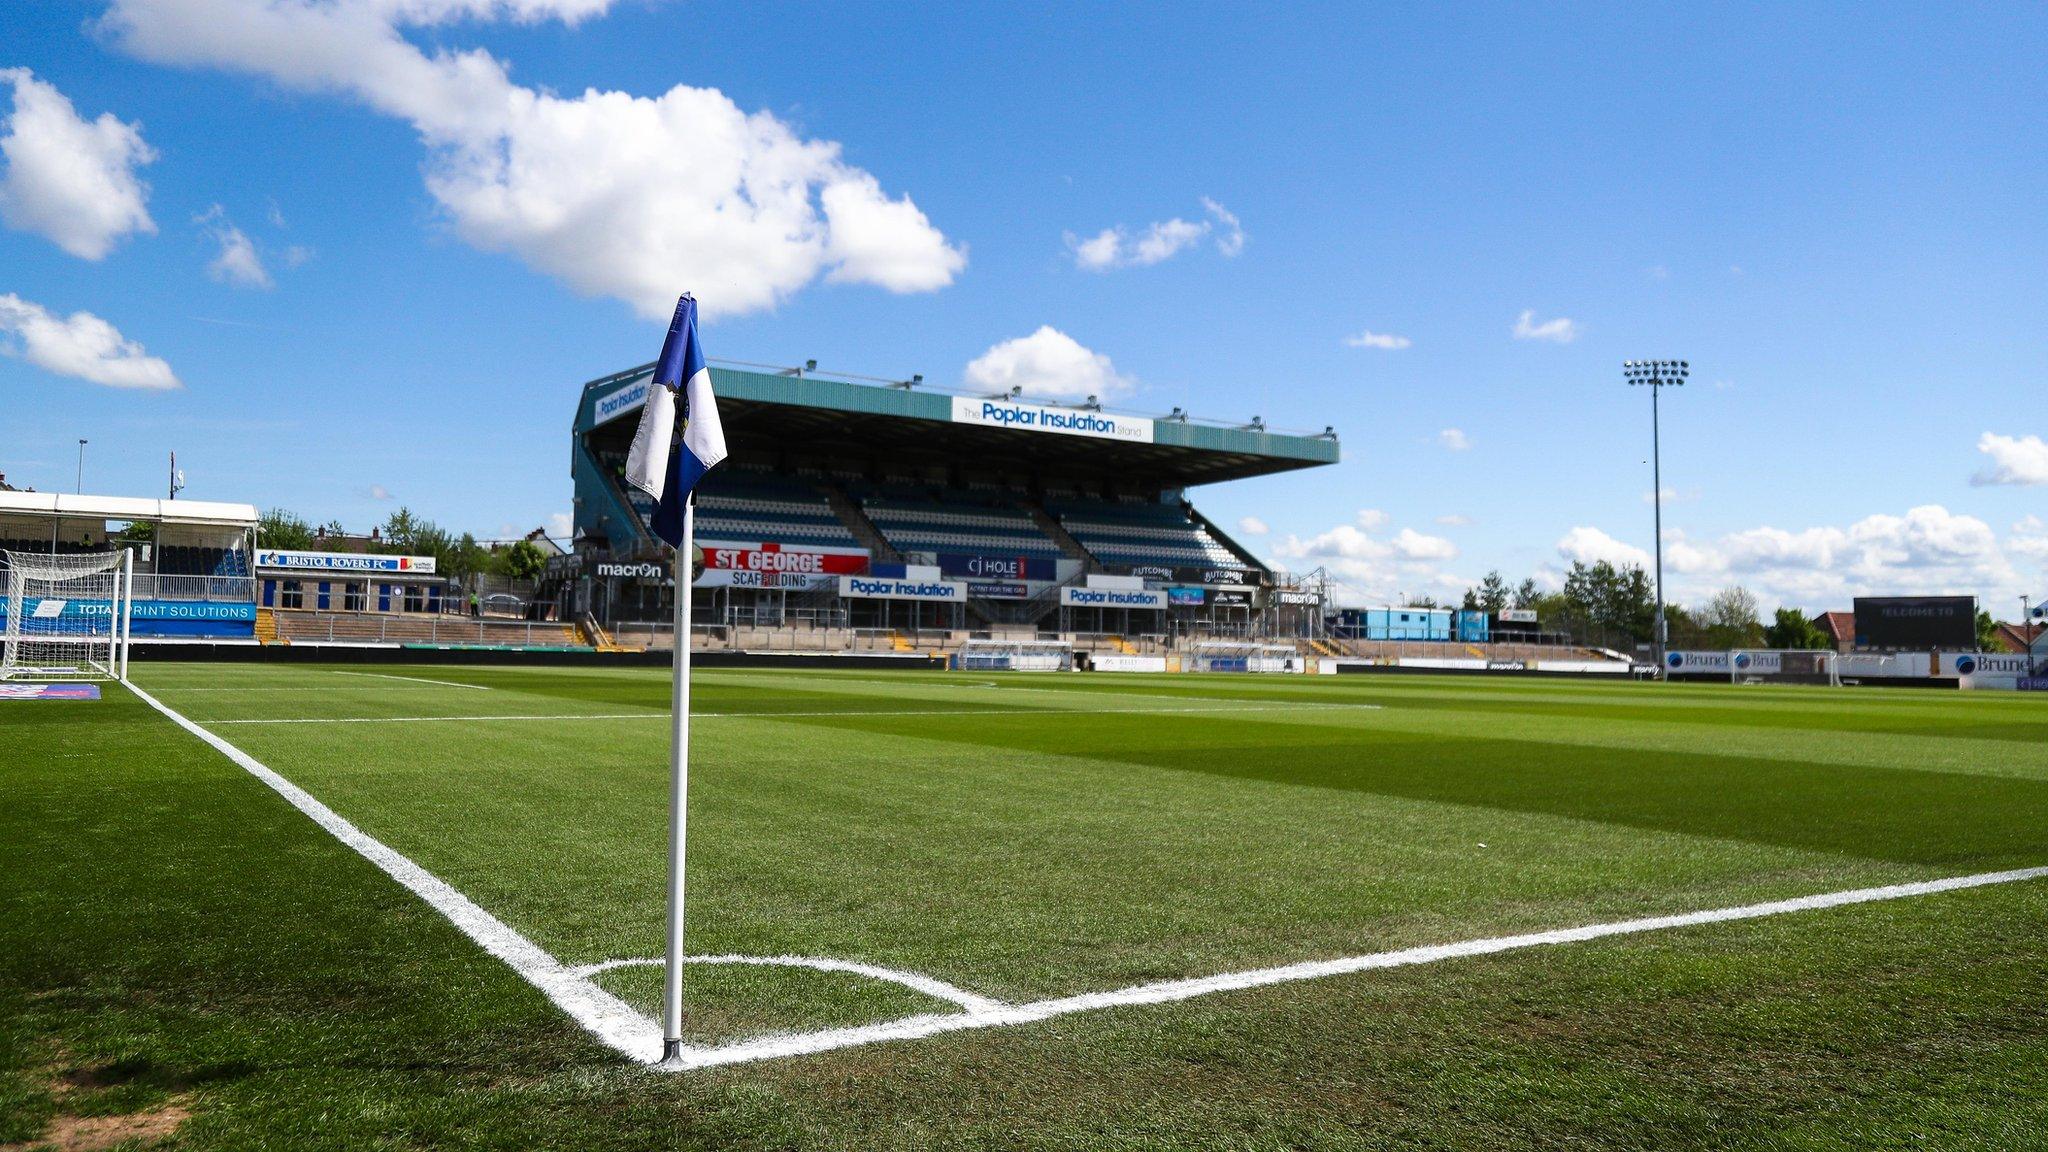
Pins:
x,y
857,522
1060,536
266,627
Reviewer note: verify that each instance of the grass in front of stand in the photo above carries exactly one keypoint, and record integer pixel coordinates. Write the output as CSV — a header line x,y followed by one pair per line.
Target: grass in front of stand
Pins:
x,y
176,934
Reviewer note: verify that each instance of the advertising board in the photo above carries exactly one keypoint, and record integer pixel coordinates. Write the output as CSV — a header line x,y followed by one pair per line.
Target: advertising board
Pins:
x,y
1030,417
1112,598
304,561
886,588
786,559
956,566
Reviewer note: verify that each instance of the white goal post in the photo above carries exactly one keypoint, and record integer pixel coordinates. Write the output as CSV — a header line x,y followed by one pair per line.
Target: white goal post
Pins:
x,y
1784,666
1244,656
1015,656
68,616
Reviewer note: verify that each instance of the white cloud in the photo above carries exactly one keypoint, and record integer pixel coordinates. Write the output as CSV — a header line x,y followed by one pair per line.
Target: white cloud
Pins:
x,y
1455,520
1229,231
1049,365
68,179
1454,439
561,525
1369,569
1591,545
1658,272
1119,248
1381,340
1413,545
1252,526
1562,330
1927,550
379,492
237,262
2014,460
80,345
632,197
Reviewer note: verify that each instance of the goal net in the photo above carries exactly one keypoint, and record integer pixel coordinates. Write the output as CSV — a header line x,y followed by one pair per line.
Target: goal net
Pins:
x,y
1244,656
1015,656
67,616
1784,666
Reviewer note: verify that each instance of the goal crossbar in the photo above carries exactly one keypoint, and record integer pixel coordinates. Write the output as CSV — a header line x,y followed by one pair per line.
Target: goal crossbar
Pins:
x,y
1015,656
1243,656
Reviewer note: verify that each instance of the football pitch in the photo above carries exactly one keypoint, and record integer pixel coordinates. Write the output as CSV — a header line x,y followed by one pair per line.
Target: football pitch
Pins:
x,y
1018,910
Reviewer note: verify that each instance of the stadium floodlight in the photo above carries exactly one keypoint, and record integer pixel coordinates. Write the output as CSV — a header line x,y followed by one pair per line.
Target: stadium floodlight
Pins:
x,y
1258,424
1092,404
1178,413
1657,375
80,489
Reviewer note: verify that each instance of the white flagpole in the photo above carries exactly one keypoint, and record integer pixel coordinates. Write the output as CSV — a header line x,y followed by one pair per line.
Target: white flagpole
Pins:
x,y
678,789
678,786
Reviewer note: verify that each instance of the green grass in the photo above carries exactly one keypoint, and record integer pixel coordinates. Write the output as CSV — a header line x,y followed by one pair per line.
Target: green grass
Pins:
x,y
172,929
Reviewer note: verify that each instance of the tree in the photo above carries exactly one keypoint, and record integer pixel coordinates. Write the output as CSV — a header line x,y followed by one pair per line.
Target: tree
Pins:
x,y
1610,599
1730,619
1791,629
1526,594
410,535
466,558
525,561
278,528
1988,639
1492,594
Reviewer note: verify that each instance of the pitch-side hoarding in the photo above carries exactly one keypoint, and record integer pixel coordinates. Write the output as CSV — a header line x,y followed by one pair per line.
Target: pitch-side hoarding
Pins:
x,y
889,588
1112,598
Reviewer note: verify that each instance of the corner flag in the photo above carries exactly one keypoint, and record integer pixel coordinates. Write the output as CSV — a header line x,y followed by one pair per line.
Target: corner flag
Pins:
x,y
666,475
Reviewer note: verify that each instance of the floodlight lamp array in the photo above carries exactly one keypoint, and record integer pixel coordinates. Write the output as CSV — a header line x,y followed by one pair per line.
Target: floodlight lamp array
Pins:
x,y
1656,373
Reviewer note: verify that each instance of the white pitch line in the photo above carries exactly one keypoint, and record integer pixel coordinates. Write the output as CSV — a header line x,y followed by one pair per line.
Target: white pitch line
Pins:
x,y
415,680
621,1028
857,712
917,1027
931,986
605,1016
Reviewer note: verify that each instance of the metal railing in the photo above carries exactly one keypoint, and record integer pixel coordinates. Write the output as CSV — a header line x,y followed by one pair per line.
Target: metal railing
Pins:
x,y
209,589
422,628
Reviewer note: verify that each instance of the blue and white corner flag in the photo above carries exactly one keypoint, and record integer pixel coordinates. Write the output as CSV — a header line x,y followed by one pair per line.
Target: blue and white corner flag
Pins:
x,y
651,466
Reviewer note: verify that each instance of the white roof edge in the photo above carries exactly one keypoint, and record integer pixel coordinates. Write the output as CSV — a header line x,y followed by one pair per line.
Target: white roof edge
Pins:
x,y
128,508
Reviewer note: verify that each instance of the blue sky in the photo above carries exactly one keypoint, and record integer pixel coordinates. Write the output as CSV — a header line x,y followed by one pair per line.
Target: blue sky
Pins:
x,y
453,212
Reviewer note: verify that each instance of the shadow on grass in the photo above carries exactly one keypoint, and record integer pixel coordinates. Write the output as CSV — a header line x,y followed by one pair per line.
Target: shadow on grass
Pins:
x,y
1939,819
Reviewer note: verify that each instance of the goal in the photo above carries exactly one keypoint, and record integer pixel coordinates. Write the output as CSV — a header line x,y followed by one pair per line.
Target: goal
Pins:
x,y
1784,666
67,616
1244,656
1015,656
